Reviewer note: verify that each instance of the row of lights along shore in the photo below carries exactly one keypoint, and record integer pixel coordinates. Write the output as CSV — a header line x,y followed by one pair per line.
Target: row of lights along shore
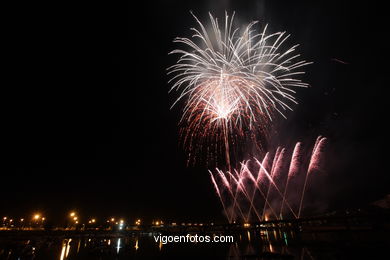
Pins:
x,y
73,219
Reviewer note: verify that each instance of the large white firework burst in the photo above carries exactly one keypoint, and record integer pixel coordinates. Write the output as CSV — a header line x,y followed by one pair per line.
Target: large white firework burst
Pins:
x,y
234,78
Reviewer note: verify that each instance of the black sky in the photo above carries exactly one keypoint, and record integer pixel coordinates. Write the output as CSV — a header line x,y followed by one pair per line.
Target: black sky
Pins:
x,y
87,124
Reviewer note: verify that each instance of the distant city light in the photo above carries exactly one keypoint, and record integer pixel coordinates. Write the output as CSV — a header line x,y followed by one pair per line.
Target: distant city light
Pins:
x,y
38,221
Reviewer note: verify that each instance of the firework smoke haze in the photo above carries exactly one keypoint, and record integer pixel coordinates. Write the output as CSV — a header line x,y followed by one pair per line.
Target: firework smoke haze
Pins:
x,y
233,80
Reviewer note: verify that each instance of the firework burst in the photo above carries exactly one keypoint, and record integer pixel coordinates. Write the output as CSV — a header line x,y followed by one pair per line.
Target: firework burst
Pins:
x,y
233,82
253,191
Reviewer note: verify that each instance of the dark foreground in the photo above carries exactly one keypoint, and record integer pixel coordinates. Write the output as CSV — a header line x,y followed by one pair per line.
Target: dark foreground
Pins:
x,y
325,238
248,244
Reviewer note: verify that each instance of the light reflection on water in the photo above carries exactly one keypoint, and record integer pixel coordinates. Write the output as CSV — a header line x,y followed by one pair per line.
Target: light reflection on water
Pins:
x,y
249,244
118,247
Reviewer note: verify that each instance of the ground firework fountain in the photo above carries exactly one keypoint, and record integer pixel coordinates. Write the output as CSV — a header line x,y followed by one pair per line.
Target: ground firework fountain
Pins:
x,y
261,189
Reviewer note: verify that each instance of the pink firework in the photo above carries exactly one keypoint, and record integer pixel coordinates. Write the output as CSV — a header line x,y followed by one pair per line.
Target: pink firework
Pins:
x,y
316,159
248,187
295,160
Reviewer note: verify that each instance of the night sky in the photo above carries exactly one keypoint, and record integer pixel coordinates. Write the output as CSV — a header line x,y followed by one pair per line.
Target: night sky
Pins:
x,y
86,120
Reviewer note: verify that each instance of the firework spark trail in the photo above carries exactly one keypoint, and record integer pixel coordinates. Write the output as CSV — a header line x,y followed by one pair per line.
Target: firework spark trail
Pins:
x,y
240,179
317,155
245,184
257,187
228,185
245,167
293,170
276,157
316,143
279,163
237,180
303,194
256,182
219,195
267,164
278,170
227,149
317,149
295,160
224,179
277,189
234,194
233,80
252,178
